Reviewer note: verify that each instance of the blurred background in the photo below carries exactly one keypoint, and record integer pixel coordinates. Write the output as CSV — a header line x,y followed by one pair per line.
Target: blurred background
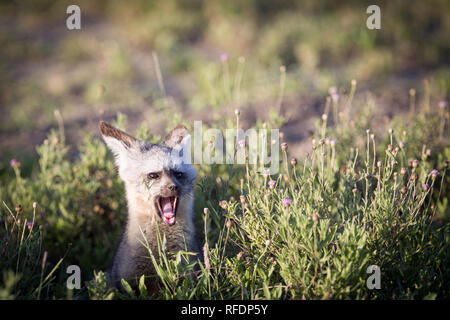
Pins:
x,y
160,62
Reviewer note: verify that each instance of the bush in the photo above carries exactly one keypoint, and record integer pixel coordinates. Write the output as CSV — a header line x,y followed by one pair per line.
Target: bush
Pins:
x,y
310,233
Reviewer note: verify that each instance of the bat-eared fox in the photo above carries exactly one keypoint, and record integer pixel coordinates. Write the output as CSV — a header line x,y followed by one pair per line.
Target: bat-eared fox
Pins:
x,y
160,194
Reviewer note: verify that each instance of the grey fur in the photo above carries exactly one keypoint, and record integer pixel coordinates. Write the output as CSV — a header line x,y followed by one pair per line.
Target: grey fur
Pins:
x,y
135,160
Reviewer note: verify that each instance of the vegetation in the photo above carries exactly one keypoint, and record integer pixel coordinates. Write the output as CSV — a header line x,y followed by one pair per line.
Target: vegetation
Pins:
x,y
372,189
310,232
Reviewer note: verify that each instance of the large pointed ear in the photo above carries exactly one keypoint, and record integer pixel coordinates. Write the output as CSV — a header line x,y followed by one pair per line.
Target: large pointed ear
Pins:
x,y
118,141
176,136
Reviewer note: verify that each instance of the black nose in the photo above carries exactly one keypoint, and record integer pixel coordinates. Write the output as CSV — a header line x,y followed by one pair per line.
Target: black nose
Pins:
x,y
172,187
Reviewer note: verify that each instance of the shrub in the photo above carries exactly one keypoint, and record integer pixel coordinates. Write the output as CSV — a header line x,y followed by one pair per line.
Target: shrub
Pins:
x,y
358,199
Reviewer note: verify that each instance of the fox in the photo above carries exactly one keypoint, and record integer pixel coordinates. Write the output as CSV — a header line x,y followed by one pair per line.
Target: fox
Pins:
x,y
159,190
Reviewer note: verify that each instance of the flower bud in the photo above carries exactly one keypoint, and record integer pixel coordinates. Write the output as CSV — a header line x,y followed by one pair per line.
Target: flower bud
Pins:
x,y
332,90
223,204
315,217
335,97
434,173
287,202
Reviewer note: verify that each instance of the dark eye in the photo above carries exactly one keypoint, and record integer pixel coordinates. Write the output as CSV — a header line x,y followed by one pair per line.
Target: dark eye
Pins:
x,y
178,174
153,175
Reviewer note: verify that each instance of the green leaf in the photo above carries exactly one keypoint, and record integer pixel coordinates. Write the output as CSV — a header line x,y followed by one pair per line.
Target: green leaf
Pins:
x,y
143,287
128,289
430,296
266,291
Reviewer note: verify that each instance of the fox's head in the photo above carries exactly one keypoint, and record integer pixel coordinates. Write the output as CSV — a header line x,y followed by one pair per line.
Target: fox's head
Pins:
x,y
154,174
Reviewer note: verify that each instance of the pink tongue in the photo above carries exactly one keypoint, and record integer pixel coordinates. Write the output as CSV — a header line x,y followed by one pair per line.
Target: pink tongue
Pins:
x,y
168,211
166,206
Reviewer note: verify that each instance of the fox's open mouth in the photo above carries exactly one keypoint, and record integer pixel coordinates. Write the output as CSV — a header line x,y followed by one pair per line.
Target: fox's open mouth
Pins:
x,y
167,209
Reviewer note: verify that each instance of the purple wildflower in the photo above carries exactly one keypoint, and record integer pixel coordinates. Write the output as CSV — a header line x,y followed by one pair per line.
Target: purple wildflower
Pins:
x,y
434,173
442,104
332,90
287,202
335,97
224,57
14,163
272,184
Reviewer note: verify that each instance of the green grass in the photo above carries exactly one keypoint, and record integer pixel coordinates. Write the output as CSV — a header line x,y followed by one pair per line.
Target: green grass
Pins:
x,y
357,200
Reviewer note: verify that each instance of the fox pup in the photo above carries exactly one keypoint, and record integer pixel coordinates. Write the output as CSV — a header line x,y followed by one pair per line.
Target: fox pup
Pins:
x,y
159,191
